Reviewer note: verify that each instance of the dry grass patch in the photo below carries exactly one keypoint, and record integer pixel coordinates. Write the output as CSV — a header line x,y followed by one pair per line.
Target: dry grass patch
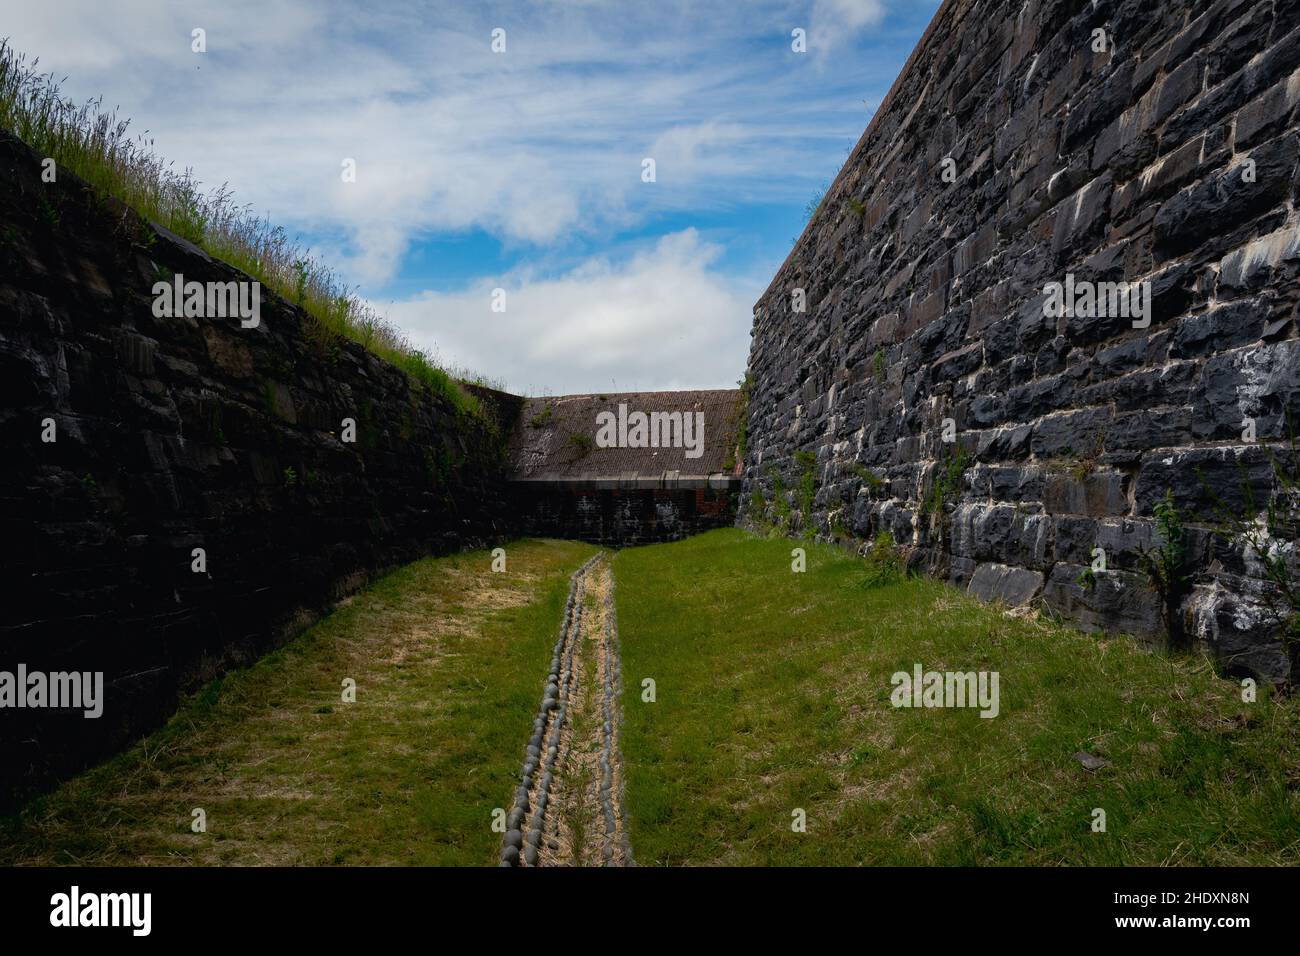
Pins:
x,y
447,658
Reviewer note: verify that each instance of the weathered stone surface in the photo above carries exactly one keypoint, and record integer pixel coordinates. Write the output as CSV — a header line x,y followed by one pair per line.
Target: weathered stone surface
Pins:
x,y
1173,159
1117,601
177,434
1000,582
1238,628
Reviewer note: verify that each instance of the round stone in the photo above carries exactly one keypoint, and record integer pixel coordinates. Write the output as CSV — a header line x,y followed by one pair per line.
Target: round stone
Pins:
x,y
514,838
534,837
530,855
510,856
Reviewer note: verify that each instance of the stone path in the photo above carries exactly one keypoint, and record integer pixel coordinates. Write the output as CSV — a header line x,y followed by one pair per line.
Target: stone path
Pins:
x,y
568,808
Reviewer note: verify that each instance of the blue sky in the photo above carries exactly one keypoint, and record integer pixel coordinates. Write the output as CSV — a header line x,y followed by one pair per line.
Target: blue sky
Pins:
x,y
517,170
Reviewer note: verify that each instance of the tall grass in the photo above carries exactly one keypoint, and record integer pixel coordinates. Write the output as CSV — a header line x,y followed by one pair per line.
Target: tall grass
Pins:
x,y
94,143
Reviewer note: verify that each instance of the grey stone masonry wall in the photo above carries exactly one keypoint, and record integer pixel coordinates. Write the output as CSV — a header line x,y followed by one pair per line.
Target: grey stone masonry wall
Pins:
x,y
172,434
1105,141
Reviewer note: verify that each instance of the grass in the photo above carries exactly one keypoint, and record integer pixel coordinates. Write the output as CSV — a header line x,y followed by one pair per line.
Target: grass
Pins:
x,y
773,694
448,660
95,144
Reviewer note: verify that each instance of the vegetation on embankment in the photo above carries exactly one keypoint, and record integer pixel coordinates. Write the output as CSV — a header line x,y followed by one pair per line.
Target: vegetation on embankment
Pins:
x,y
95,145
773,694
448,659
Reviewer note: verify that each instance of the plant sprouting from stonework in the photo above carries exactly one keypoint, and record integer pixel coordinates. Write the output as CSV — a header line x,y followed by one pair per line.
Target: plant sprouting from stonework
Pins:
x,y
780,503
942,495
878,366
541,419
869,478
884,563
807,462
814,203
581,443
1166,563
739,421
1270,534
946,484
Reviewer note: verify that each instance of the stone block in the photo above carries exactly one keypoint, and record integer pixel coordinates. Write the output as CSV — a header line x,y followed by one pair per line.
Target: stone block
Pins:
x,y
1000,582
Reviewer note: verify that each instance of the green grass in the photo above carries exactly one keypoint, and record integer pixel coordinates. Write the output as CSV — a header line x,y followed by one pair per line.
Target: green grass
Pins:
x,y
94,144
448,659
773,694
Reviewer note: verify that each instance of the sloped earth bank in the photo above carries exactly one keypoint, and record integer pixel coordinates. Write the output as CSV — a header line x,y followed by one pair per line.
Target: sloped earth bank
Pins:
x,y
568,808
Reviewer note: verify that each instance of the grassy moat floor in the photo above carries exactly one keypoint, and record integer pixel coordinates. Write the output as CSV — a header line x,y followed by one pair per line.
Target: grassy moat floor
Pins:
x,y
447,657
771,700
773,693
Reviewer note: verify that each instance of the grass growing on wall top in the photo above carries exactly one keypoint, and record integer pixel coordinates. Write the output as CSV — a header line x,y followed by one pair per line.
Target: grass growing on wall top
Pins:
x,y
94,144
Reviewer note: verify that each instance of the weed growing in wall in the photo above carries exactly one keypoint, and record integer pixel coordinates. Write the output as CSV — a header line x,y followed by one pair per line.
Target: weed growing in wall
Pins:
x,y
814,204
807,462
878,366
581,444
739,422
780,504
1270,535
1166,563
869,478
883,563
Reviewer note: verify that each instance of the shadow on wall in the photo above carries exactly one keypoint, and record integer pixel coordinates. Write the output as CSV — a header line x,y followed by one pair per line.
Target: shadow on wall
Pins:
x,y
181,493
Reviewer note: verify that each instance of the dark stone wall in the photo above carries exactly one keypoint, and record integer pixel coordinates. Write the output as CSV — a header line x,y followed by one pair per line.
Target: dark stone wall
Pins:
x,y
620,517
175,434
924,302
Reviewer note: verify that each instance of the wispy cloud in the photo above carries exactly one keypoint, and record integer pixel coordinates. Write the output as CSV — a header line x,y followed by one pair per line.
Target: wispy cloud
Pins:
x,y
540,146
662,318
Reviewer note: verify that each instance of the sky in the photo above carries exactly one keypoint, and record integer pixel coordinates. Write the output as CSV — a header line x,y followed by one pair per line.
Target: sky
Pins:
x,y
520,168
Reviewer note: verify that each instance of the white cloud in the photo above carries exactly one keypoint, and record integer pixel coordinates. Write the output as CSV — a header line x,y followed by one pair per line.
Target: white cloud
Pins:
x,y
540,147
542,142
837,21
661,319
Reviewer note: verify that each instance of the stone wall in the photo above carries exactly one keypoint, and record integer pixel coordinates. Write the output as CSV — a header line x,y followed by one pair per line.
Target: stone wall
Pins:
x,y
1168,157
185,433
619,517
